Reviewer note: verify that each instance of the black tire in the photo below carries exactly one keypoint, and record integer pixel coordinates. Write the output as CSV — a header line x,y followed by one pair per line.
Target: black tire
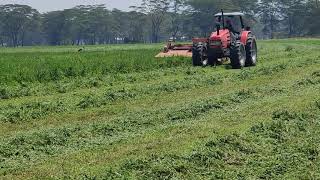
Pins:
x,y
198,55
238,55
196,59
251,51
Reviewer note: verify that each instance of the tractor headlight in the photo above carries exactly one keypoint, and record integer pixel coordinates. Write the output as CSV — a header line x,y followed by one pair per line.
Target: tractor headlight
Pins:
x,y
215,43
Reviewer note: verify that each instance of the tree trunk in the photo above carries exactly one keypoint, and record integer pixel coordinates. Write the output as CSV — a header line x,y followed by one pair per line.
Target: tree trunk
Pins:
x,y
154,34
14,40
290,26
22,39
93,41
271,26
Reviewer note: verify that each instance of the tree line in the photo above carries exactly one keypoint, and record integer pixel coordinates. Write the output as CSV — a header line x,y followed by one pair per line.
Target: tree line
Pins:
x,y
153,21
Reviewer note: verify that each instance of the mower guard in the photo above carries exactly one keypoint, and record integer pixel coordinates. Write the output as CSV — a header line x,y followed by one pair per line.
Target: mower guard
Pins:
x,y
179,50
175,53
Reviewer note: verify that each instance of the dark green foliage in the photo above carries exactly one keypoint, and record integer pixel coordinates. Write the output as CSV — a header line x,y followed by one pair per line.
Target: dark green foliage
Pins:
x,y
289,48
120,94
241,96
4,94
316,74
271,70
245,74
88,101
313,79
194,110
28,111
318,104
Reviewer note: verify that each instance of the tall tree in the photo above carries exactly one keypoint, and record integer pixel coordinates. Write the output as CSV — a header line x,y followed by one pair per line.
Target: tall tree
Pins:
x,y
121,27
17,20
137,26
271,15
294,15
312,23
157,11
98,21
176,16
52,26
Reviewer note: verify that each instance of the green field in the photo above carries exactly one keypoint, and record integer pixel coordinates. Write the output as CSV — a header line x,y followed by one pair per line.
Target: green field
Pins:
x,y
116,112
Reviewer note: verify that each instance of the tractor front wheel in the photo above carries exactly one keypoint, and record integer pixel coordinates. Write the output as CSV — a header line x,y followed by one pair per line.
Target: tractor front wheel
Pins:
x,y
199,57
238,55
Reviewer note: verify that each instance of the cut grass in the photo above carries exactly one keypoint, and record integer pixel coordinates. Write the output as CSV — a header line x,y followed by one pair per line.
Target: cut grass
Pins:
x,y
159,119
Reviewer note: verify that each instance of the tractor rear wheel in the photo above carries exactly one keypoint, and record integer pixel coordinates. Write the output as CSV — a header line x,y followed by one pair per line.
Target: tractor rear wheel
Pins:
x,y
199,57
251,51
238,55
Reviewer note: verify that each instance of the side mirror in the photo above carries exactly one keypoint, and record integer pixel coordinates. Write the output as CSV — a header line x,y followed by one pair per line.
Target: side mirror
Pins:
x,y
248,28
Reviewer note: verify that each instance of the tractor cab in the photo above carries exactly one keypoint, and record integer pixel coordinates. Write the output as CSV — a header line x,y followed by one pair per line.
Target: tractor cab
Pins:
x,y
232,21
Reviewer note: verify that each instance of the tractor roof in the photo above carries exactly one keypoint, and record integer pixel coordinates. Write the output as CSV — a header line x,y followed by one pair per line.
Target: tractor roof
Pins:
x,y
230,14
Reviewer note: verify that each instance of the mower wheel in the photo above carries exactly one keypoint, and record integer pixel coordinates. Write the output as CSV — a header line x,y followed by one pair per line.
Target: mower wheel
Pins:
x,y
251,51
198,55
238,55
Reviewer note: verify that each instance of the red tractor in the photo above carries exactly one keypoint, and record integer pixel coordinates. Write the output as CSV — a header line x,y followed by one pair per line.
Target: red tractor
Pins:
x,y
231,40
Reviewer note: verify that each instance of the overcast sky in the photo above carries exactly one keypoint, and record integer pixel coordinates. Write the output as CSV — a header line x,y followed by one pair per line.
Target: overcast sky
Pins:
x,y
50,5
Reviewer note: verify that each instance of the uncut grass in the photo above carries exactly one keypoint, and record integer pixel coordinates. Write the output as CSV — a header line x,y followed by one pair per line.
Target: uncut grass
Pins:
x,y
97,82
25,88
44,67
87,48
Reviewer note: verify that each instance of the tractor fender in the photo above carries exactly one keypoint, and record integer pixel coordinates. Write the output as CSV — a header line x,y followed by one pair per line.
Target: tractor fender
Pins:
x,y
244,36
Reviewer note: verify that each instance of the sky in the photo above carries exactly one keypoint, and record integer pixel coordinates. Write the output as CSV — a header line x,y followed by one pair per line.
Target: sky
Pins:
x,y
51,5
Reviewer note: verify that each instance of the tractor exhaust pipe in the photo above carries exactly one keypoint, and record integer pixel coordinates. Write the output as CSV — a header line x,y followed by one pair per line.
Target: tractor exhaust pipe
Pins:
x,y
218,23
222,15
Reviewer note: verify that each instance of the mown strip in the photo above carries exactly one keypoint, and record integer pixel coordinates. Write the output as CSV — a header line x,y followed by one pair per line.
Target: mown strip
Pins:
x,y
111,154
283,148
55,141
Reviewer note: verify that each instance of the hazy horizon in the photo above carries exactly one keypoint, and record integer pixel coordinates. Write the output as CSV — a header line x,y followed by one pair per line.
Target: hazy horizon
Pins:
x,y
49,5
